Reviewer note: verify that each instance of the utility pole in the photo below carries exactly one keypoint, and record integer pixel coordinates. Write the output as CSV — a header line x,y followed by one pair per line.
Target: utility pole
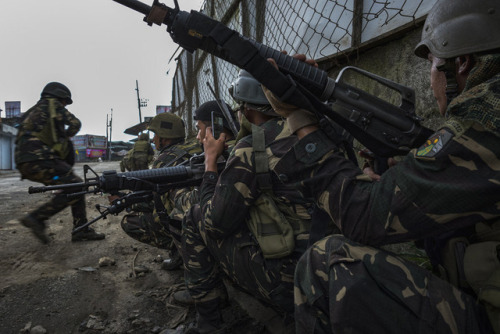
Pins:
x,y
140,102
110,126
108,150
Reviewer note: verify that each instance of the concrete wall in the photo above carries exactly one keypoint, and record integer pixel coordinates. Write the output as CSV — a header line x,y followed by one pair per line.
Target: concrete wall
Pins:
x,y
396,61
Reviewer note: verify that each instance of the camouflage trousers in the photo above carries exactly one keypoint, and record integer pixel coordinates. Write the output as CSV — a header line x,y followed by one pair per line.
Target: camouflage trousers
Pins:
x,y
148,228
345,287
239,257
54,172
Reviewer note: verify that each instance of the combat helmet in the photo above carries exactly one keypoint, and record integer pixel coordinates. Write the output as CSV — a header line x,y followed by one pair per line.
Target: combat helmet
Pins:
x,y
247,89
57,89
460,27
143,136
167,125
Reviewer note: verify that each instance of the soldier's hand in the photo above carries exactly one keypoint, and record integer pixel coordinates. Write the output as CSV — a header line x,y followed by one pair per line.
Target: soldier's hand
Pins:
x,y
297,118
213,149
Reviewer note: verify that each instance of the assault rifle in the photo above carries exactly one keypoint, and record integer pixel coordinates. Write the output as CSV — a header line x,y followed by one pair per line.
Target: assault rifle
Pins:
x,y
158,180
118,205
143,184
383,127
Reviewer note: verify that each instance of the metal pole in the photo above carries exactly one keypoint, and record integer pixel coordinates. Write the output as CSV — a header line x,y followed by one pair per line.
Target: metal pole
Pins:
x,y
138,100
110,131
108,151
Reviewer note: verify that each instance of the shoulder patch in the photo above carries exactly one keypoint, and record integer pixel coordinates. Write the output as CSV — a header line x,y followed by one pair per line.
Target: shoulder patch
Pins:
x,y
435,143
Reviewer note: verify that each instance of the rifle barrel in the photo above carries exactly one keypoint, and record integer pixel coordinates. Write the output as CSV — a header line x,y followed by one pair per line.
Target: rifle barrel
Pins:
x,y
77,186
135,5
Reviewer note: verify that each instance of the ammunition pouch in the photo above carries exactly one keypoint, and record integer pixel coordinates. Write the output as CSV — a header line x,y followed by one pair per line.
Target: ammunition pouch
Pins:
x,y
272,224
271,229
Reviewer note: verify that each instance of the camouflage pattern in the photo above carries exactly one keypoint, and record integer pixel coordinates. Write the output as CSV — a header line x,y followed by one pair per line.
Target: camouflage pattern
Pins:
x,y
37,160
157,229
142,154
216,237
184,198
139,157
29,147
54,172
124,164
449,184
346,287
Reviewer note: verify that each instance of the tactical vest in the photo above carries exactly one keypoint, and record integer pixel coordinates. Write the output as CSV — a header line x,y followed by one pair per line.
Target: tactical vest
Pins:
x,y
49,136
273,223
141,146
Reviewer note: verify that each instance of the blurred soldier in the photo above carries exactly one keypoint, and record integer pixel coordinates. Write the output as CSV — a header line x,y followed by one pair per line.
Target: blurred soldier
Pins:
x,y
447,191
139,157
153,228
246,224
44,153
142,153
124,164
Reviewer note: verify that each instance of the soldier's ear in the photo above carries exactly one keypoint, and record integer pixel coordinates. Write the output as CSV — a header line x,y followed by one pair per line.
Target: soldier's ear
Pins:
x,y
464,64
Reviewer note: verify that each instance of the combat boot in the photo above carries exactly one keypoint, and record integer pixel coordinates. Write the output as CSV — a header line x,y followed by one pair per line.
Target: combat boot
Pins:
x,y
37,228
183,297
208,318
87,234
174,262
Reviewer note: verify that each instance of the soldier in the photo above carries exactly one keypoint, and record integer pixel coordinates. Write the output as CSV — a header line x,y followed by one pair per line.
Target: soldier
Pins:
x,y
184,198
142,153
447,191
154,227
44,154
246,224
124,164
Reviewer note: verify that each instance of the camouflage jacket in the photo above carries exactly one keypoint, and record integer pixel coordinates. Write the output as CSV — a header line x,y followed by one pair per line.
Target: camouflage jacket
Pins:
x,y
171,156
184,198
35,140
226,200
452,182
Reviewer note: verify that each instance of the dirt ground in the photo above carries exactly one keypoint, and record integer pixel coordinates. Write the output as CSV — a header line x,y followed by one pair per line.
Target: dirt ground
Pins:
x,y
61,288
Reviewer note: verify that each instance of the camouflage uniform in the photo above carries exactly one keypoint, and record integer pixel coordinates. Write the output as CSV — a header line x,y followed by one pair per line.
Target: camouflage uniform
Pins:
x,y
155,228
125,164
40,158
142,154
216,237
344,284
139,157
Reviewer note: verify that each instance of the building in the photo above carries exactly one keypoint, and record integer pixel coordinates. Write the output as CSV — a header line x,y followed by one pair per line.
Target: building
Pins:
x,y
89,147
7,146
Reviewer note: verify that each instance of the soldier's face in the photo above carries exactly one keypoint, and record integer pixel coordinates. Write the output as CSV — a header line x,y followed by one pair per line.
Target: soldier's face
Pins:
x,y
202,128
438,83
157,142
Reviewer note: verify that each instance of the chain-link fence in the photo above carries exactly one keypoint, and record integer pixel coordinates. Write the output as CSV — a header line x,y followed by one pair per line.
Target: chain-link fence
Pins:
x,y
332,32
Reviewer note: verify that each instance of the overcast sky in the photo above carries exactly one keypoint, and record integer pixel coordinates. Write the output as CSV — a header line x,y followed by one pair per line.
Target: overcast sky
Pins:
x,y
98,48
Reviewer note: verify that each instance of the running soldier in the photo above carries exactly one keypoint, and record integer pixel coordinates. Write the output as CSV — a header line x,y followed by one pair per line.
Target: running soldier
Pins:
x,y
44,153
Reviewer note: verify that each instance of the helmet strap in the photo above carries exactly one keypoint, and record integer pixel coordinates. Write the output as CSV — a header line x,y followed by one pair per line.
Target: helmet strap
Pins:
x,y
449,69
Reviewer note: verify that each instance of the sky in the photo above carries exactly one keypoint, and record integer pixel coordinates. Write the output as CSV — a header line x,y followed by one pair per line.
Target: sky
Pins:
x,y
98,48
